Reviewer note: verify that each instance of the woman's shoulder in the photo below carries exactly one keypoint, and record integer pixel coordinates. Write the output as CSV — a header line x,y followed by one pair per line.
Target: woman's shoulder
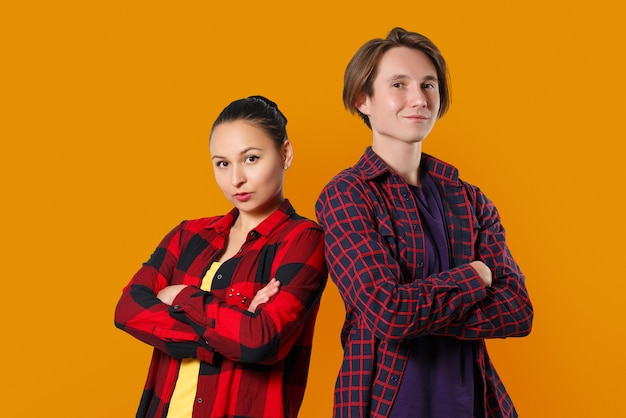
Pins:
x,y
198,224
299,222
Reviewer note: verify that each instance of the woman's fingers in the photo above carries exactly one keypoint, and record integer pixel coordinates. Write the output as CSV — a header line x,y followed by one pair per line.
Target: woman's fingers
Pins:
x,y
264,295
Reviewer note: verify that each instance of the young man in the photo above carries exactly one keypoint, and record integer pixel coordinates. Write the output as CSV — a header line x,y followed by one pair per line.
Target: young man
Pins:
x,y
419,256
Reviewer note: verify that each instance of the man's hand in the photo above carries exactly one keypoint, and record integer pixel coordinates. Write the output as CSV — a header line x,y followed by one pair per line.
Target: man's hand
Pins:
x,y
483,271
264,295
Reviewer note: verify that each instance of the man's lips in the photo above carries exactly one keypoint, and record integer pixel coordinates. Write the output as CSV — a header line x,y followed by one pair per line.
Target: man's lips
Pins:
x,y
417,117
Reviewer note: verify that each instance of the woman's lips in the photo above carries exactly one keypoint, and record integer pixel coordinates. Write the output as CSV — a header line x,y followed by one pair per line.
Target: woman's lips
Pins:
x,y
243,197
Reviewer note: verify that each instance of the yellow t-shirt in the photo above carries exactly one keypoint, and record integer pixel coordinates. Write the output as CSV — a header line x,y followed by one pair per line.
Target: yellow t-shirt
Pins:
x,y
183,398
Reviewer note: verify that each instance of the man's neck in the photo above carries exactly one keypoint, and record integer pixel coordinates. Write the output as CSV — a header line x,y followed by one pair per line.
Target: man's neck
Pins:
x,y
402,157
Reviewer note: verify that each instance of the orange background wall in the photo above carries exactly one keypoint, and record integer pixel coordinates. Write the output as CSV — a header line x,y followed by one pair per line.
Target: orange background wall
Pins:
x,y
106,110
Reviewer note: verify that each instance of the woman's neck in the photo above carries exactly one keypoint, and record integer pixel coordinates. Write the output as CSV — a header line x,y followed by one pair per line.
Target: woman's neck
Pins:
x,y
247,221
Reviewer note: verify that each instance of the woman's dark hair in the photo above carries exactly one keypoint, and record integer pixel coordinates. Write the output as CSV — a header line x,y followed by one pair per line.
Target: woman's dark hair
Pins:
x,y
260,112
362,68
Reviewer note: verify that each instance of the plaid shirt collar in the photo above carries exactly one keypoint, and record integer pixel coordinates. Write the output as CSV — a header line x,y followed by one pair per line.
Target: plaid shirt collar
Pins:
x,y
265,228
372,166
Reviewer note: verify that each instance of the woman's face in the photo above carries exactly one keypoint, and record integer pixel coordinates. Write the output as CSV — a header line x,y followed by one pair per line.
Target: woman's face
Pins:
x,y
249,168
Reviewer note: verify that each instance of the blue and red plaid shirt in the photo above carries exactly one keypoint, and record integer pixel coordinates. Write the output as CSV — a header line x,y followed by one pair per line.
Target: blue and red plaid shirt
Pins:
x,y
374,245
253,364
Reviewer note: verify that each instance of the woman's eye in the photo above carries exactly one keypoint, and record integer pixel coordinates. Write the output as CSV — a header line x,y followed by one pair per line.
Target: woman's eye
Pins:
x,y
221,164
251,158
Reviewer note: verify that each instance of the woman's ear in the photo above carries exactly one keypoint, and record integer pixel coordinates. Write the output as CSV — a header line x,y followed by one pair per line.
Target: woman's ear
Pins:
x,y
287,154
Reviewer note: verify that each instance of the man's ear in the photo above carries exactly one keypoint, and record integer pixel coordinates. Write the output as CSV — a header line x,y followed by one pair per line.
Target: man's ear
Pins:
x,y
362,104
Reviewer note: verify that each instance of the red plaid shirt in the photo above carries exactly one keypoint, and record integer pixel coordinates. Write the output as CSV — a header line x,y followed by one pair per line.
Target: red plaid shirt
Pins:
x,y
375,254
253,365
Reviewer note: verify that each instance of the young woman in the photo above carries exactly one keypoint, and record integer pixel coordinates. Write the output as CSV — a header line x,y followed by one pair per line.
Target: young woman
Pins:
x,y
226,342
419,256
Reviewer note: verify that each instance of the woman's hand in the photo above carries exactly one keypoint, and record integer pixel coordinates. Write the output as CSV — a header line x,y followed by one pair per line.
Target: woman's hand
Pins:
x,y
264,295
167,294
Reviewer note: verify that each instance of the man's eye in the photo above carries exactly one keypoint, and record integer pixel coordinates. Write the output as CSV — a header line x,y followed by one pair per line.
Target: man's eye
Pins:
x,y
396,85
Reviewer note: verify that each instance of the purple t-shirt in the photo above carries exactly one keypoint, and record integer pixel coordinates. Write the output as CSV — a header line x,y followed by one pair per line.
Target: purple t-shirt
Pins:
x,y
438,381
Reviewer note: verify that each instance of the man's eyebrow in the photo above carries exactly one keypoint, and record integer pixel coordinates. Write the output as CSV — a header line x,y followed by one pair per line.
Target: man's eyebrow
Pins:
x,y
396,77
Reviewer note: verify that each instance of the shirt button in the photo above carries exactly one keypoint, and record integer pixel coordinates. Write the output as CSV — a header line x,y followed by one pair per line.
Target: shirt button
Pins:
x,y
219,277
199,400
240,250
420,264
394,379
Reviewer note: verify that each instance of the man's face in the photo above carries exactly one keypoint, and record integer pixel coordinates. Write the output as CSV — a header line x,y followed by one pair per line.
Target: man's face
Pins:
x,y
405,100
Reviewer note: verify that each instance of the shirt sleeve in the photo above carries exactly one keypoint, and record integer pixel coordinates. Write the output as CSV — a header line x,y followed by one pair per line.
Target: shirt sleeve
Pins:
x,y
141,314
267,335
506,311
368,276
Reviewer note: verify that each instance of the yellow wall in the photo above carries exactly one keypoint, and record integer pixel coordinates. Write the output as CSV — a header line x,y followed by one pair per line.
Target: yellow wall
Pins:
x,y
106,109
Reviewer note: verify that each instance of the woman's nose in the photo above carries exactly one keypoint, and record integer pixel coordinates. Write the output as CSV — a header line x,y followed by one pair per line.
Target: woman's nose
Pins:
x,y
237,175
